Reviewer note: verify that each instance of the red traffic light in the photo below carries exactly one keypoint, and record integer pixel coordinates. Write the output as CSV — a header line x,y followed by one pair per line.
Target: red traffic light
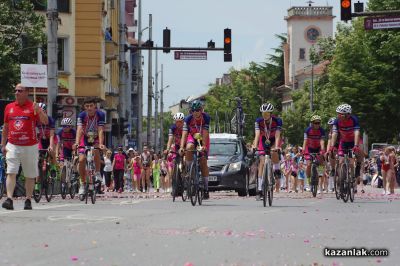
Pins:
x,y
346,3
227,40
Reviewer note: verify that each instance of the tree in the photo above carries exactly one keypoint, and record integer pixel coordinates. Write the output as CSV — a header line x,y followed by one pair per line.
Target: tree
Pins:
x,y
20,35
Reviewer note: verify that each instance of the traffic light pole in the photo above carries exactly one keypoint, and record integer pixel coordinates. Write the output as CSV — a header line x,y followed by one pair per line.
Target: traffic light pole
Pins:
x,y
376,13
134,48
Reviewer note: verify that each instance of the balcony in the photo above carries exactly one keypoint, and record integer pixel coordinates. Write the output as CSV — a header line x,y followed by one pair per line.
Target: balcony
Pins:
x,y
307,11
111,51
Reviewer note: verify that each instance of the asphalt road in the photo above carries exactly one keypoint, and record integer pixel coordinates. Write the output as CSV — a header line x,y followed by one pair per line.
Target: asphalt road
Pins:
x,y
226,230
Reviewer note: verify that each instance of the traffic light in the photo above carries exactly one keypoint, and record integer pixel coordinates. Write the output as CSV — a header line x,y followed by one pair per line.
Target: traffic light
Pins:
x,y
57,111
227,45
345,10
166,40
124,126
211,44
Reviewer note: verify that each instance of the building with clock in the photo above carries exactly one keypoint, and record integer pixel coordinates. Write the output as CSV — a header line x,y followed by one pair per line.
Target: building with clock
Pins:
x,y
304,26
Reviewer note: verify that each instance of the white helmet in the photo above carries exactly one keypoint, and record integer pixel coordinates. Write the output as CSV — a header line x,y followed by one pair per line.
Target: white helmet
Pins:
x,y
343,109
267,107
331,121
43,106
179,116
66,121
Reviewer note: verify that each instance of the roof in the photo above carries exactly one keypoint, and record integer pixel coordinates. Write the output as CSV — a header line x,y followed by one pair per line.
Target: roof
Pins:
x,y
223,136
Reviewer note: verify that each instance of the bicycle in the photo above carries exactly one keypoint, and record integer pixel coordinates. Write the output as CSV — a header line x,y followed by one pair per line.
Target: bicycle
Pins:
x,y
179,184
90,189
347,178
47,178
2,175
314,173
195,182
238,117
69,178
268,179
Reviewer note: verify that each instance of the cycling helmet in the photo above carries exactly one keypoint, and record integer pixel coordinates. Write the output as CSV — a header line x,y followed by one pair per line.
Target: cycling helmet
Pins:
x,y
315,118
196,105
331,121
179,116
43,106
343,109
267,107
66,121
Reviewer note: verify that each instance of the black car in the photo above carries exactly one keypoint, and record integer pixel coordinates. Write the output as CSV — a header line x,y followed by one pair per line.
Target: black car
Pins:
x,y
229,166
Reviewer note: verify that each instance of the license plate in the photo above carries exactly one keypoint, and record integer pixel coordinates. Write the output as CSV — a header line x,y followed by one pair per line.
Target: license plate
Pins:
x,y
212,178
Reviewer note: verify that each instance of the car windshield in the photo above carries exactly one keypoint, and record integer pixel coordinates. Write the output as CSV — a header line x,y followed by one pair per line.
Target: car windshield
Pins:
x,y
224,148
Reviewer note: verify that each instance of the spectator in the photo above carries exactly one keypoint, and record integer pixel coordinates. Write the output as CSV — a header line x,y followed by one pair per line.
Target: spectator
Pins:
x,y
156,172
146,161
108,169
119,169
20,120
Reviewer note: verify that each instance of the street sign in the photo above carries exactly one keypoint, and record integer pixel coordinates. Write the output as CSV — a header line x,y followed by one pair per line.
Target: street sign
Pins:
x,y
34,75
190,55
378,23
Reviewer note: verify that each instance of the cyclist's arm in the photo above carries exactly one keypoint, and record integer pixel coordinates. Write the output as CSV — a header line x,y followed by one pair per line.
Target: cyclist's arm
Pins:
x,y
322,143
356,137
169,143
52,138
4,135
334,137
78,134
277,139
206,138
183,139
100,131
256,138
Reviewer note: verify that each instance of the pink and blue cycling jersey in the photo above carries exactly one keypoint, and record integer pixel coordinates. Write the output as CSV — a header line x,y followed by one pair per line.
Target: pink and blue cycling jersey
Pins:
x,y
346,128
193,125
313,137
176,132
66,139
90,125
43,132
268,128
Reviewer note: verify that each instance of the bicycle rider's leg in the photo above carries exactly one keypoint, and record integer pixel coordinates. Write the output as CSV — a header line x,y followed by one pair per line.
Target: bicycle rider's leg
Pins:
x,y
97,162
82,167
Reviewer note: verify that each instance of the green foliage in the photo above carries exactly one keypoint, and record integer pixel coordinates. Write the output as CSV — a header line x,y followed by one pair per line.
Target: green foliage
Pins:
x,y
20,35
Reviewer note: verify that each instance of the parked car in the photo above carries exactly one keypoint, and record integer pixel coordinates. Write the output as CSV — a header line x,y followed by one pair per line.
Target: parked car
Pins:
x,y
229,165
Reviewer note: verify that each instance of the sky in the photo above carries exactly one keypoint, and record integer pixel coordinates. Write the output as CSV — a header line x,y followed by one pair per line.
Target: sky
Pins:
x,y
193,23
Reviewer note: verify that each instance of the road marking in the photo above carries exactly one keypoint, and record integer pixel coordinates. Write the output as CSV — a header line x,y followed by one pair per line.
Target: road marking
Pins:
x,y
42,208
86,219
385,220
127,202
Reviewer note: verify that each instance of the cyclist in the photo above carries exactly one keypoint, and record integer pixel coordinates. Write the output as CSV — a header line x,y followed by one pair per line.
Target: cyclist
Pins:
x,y
197,122
174,140
267,138
89,133
314,143
348,127
65,140
46,135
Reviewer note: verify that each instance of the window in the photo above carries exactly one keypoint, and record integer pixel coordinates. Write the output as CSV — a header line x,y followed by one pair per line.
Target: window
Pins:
x,y
41,5
62,54
302,54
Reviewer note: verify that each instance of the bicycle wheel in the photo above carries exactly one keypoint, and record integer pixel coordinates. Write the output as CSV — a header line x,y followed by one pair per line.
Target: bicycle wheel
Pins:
x,y
185,190
192,184
200,191
265,185
2,188
93,195
314,180
74,185
351,190
63,184
344,185
37,193
86,191
175,177
336,186
49,189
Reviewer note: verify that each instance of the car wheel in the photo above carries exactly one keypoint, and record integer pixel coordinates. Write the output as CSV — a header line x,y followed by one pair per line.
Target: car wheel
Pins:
x,y
245,191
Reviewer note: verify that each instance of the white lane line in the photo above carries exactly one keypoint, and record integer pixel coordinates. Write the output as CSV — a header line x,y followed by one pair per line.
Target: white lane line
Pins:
x,y
127,202
385,220
41,208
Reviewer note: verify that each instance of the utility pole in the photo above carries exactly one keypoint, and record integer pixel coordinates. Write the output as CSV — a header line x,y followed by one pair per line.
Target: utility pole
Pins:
x,y
122,68
162,110
52,59
312,87
156,108
139,128
150,85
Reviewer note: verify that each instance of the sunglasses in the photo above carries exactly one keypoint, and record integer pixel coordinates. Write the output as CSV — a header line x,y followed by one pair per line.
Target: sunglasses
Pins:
x,y
316,123
198,110
19,90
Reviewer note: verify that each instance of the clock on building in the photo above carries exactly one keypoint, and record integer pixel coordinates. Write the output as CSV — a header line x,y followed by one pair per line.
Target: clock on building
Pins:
x,y
312,34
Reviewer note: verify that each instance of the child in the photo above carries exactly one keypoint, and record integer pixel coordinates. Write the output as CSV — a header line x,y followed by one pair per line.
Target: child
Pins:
x,y
164,175
301,176
136,169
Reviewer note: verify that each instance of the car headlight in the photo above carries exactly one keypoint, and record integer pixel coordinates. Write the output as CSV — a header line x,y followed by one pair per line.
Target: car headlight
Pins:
x,y
234,166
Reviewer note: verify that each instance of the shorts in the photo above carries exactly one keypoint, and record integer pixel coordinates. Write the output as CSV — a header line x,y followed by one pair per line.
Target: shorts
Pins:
x,y
44,144
264,148
311,150
345,146
85,143
65,154
26,156
190,139
294,174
